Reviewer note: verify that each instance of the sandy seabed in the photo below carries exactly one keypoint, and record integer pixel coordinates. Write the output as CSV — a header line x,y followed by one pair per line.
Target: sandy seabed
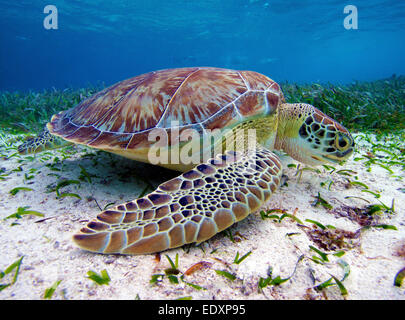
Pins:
x,y
372,256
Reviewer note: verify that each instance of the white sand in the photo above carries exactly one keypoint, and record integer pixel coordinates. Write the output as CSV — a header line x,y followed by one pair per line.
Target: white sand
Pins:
x,y
50,255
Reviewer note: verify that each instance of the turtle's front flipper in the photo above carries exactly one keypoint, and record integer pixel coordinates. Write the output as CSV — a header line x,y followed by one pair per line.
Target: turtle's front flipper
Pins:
x,y
44,141
190,208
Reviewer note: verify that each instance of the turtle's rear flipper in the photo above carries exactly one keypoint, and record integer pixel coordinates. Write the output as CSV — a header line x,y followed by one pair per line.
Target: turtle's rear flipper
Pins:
x,y
190,208
44,141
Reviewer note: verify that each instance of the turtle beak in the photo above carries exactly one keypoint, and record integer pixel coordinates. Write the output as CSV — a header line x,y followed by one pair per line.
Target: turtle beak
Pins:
x,y
338,156
330,159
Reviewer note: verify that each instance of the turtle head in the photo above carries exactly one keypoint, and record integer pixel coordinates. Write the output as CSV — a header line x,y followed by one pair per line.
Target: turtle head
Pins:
x,y
44,141
310,136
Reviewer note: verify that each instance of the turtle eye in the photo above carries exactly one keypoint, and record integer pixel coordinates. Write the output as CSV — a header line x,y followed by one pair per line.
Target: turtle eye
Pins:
x,y
342,142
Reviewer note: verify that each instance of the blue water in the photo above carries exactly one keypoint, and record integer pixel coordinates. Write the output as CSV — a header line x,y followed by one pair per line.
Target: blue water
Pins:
x,y
108,41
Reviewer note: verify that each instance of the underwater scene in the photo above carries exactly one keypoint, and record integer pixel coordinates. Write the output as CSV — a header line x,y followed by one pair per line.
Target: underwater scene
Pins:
x,y
202,150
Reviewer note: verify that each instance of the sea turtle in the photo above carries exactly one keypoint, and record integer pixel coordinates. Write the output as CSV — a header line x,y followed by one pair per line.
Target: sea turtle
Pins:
x,y
211,194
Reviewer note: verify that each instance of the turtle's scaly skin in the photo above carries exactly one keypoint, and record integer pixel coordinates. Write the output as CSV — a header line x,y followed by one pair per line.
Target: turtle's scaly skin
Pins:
x,y
310,136
190,208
